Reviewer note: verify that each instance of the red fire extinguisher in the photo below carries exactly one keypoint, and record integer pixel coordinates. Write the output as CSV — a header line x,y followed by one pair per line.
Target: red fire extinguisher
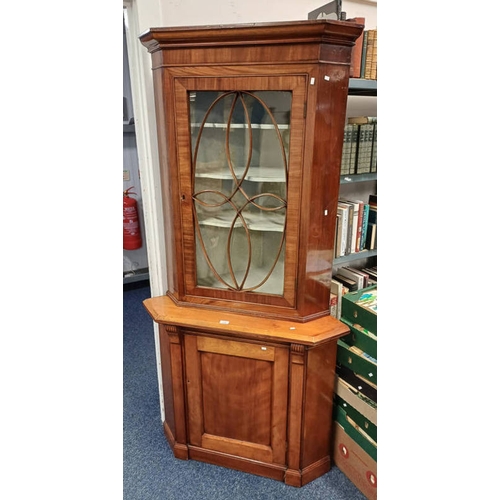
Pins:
x,y
131,231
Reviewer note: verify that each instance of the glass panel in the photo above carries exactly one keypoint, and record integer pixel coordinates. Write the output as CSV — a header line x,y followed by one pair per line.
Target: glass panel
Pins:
x,y
240,157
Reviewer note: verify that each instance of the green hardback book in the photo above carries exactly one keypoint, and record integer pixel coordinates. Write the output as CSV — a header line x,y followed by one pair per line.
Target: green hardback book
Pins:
x,y
373,163
346,151
363,53
354,148
364,229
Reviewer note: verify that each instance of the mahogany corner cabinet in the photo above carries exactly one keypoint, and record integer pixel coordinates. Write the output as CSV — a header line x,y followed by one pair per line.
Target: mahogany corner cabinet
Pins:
x,y
250,122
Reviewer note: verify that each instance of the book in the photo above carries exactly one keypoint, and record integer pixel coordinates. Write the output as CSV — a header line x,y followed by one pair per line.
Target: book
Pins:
x,y
336,236
372,202
354,148
357,51
348,283
366,209
373,73
355,226
372,214
359,120
348,273
371,236
372,272
369,54
369,144
373,163
365,125
334,304
346,151
365,276
363,53
359,231
352,230
350,214
343,213
337,290
362,146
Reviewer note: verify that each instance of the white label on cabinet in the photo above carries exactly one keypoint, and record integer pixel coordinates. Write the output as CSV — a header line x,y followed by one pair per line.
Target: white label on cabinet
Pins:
x,y
224,322
313,80
327,78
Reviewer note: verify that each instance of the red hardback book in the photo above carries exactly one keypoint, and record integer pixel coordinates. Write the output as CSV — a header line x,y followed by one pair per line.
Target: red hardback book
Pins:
x,y
355,69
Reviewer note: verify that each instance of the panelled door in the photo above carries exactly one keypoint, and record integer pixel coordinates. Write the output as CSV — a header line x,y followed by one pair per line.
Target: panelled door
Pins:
x,y
237,397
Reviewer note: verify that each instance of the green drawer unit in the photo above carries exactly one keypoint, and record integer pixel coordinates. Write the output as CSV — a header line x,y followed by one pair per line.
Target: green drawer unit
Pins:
x,y
356,399
358,362
360,307
364,423
350,428
361,337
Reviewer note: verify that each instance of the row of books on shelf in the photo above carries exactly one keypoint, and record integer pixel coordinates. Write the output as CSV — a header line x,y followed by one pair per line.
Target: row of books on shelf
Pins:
x,y
348,279
364,54
359,151
356,226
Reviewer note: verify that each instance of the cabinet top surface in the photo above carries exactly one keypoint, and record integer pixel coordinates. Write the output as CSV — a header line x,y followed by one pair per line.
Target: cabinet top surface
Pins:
x,y
163,310
326,30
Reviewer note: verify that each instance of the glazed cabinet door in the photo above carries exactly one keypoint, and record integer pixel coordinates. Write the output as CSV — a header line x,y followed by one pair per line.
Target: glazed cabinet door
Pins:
x,y
237,397
240,146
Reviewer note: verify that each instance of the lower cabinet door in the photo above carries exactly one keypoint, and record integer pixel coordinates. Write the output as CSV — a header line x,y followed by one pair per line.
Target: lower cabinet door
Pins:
x,y
237,396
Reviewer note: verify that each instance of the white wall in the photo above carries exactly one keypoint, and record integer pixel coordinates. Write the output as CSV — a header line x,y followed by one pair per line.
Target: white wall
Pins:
x,y
133,260
196,12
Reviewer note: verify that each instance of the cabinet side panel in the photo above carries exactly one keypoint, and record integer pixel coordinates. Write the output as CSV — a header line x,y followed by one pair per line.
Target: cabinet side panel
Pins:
x,y
295,409
324,141
318,408
163,127
166,374
166,115
279,405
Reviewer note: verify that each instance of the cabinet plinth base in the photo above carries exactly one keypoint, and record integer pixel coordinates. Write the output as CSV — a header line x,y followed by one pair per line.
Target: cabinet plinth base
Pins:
x,y
291,477
272,471
180,450
299,478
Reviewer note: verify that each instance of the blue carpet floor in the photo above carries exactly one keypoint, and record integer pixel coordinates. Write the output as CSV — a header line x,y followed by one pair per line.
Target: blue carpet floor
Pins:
x,y
150,471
